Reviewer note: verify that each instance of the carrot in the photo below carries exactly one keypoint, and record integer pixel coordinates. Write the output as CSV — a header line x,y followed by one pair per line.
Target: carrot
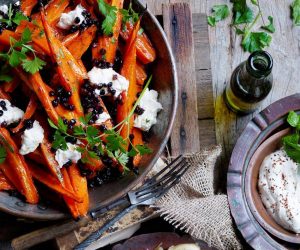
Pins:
x,y
30,110
129,71
6,35
16,169
51,182
67,40
81,43
141,74
71,74
71,204
137,140
37,157
11,85
4,95
144,49
79,184
27,6
42,91
5,184
109,44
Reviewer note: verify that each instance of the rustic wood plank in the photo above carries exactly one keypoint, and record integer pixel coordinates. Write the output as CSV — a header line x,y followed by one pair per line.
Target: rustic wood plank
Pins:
x,y
177,20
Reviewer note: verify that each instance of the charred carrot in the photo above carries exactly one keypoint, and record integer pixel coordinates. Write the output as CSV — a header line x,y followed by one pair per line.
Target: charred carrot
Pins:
x,y
144,49
129,71
71,74
11,85
4,95
141,74
51,182
71,204
137,140
109,44
81,43
30,110
37,157
27,6
5,184
15,167
79,184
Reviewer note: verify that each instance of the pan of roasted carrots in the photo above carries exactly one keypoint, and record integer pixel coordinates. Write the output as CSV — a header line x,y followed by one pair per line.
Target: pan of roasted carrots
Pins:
x,y
88,94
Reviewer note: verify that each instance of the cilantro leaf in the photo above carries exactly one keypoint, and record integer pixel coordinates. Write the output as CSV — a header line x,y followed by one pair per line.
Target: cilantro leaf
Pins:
x,y
114,141
211,21
293,119
133,152
26,36
78,131
241,12
219,12
16,57
59,141
52,125
129,15
143,149
3,154
33,66
19,17
296,12
110,14
61,125
270,27
254,41
121,157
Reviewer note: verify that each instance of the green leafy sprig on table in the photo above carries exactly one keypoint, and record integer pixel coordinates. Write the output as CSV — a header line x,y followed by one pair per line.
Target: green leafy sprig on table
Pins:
x,y
244,22
219,12
14,18
291,142
296,12
114,146
19,53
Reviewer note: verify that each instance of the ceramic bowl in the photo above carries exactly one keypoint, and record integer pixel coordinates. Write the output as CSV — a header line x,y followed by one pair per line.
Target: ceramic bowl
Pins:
x,y
165,82
251,189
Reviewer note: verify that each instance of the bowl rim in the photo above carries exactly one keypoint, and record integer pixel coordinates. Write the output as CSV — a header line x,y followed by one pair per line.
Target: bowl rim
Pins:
x,y
293,238
140,178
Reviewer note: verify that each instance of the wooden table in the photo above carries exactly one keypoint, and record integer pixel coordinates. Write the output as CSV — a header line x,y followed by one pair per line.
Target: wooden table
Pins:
x,y
214,62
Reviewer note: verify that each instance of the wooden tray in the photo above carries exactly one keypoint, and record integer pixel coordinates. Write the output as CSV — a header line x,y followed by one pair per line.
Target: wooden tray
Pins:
x,y
267,122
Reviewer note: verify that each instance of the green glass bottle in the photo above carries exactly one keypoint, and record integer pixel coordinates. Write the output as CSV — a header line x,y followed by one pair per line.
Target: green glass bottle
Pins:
x,y
250,83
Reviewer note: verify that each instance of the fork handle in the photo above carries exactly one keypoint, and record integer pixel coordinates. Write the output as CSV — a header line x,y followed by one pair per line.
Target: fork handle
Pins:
x,y
95,213
96,235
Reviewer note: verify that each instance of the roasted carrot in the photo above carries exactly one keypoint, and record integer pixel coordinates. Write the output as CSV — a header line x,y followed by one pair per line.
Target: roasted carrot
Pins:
x,y
42,91
129,71
51,182
70,38
37,157
70,72
16,169
4,95
137,140
30,110
81,43
5,184
79,184
109,44
27,6
71,204
141,74
144,49
11,85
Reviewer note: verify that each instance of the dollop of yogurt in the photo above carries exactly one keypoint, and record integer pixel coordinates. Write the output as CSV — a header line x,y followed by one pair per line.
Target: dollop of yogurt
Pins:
x,y
64,156
279,187
103,117
3,9
74,17
32,138
8,113
149,107
108,82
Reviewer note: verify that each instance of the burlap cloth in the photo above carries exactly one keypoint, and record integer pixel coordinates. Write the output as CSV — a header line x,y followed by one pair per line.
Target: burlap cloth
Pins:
x,y
193,205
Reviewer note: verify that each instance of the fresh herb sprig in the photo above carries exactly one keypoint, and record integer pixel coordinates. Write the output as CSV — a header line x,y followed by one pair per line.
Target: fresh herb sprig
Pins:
x,y
92,146
110,16
19,52
13,18
291,142
244,22
296,12
129,15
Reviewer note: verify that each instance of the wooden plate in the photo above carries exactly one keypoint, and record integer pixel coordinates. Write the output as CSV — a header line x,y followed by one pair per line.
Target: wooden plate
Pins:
x,y
165,82
269,121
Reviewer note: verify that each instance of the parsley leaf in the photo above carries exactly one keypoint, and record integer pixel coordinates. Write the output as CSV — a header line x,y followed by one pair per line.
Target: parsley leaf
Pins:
x,y
13,17
110,14
61,125
241,12
129,15
33,66
2,154
254,41
296,12
143,149
219,12
270,27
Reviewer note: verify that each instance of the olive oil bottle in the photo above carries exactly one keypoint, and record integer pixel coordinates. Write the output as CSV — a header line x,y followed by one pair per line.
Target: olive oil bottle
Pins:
x,y
250,83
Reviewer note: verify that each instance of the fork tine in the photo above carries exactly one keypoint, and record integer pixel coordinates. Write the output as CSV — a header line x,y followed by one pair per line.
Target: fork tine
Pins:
x,y
173,172
163,170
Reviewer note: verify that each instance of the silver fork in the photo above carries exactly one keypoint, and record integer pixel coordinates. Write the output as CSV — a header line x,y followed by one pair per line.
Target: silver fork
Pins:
x,y
152,189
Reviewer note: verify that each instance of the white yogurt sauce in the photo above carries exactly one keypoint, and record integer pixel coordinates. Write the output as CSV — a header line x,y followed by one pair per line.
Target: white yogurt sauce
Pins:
x,y
103,117
104,77
10,114
32,138
67,20
151,107
279,187
4,9
71,154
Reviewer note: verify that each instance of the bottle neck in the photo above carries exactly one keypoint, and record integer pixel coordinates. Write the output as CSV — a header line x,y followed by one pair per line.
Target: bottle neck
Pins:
x,y
259,64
